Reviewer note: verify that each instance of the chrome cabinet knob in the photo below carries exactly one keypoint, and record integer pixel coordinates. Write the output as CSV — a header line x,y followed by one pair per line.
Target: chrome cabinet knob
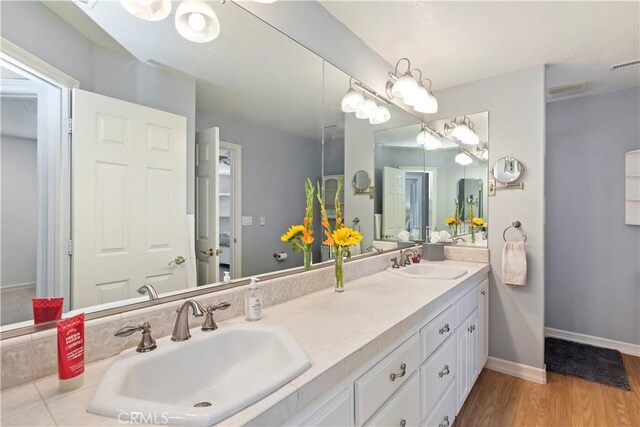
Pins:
x,y
402,373
444,371
444,329
445,422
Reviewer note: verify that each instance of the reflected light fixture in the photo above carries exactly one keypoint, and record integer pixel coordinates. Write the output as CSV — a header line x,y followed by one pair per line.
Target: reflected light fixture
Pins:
x,y
405,86
355,101
149,10
463,159
463,131
352,100
265,1
196,21
427,102
427,140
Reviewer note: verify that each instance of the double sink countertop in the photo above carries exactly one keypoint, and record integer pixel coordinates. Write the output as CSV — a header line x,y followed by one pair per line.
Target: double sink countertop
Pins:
x,y
338,332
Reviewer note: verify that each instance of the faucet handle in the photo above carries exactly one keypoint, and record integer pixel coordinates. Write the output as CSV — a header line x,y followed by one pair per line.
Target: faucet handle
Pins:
x,y
209,323
395,262
147,343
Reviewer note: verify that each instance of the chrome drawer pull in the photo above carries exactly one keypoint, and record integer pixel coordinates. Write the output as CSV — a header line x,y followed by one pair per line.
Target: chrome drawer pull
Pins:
x,y
444,329
403,371
403,423
469,329
445,422
444,372
483,292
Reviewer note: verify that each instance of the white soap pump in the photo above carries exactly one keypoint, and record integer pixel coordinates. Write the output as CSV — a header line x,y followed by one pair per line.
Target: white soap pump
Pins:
x,y
253,301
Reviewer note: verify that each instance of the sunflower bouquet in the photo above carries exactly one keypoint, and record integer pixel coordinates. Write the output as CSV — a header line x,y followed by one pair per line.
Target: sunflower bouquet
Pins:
x,y
301,236
474,222
454,221
339,237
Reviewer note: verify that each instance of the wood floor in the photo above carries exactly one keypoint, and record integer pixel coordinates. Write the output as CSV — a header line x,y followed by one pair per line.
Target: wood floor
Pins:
x,y
502,400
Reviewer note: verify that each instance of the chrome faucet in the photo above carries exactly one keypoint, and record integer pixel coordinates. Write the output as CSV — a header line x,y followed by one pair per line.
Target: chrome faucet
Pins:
x,y
147,343
181,328
457,240
405,258
148,289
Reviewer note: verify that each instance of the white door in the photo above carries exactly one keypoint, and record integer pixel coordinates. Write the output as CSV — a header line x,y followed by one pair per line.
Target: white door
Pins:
x,y
129,199
207,206
393,202
483,323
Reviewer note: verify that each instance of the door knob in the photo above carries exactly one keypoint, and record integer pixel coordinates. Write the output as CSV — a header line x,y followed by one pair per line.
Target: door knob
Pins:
x,y
212,252
178,260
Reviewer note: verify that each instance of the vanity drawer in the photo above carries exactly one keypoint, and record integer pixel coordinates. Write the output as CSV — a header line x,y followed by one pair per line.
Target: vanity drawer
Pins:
x,y
403,409
437,374
466,304
444,413
437,331
380,382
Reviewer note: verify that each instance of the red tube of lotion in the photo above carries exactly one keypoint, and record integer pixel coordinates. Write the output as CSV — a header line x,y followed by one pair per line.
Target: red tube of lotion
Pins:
x,y
46,309
71,352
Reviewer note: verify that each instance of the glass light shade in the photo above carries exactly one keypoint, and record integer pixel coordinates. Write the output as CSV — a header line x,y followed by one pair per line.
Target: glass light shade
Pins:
x,y
421,139
196,21
352,101
485,154
265,1
381,115
432,143
367,109
416,97
404,86
460,131
463,159
471,138
149,10
428,104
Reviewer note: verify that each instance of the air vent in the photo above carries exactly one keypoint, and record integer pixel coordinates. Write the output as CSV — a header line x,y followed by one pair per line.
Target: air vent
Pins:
x,y
566,90
623,65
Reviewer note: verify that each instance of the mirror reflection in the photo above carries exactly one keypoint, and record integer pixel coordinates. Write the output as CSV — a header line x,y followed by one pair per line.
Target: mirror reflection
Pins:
x,y
432,185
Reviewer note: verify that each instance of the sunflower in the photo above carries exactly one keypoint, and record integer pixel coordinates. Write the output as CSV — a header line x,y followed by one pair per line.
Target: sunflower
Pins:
x,y
346,236
450,221
293,232
478,222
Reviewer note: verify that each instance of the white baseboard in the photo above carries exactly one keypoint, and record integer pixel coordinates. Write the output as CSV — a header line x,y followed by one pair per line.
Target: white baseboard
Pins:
x,y
622,347
18,286
525,372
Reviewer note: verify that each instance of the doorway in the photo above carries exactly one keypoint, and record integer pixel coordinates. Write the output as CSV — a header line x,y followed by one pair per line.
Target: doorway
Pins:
x,y
230,199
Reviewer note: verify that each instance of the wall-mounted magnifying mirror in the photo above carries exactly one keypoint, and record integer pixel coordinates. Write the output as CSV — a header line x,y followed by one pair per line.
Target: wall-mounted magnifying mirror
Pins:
x,y
507,170
361,181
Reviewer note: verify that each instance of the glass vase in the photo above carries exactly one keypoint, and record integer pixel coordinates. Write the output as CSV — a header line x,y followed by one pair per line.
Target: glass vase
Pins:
x,y
473,235
307,258
339,273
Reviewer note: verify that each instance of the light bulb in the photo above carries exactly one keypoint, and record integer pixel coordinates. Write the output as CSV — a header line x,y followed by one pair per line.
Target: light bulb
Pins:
x,y
404,86
352,101
367,109
149,10
381,115
196,21
463,159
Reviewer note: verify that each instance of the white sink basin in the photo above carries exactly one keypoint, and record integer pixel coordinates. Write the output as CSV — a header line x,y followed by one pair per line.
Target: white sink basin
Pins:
x,y
230,368
429,271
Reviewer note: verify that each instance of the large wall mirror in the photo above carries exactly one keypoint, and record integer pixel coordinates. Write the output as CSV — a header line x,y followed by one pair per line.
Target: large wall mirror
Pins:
x,y
186,162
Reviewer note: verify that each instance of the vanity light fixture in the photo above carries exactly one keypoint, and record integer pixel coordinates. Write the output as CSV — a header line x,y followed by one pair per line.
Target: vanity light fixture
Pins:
x,y
463,131
265,1
463,159
376,110
412,91
196,21
427,140
149,10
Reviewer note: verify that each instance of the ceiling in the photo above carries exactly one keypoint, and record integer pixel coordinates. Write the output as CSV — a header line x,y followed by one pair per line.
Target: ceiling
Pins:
x,y
19,117
460,42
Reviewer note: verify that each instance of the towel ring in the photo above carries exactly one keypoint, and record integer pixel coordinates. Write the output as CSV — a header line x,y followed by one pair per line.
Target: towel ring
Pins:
x,y
515,224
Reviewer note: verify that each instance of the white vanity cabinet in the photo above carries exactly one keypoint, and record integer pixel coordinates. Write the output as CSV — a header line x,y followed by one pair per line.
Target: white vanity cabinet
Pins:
x,y
423,381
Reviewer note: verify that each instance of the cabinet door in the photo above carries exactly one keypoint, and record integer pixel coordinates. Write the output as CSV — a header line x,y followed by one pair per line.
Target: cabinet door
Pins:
x,y
474,349
463,383
483,328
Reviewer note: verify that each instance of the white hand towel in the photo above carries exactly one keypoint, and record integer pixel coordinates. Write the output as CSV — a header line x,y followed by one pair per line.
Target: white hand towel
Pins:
x,y
192,279
434,237
444,236
514,264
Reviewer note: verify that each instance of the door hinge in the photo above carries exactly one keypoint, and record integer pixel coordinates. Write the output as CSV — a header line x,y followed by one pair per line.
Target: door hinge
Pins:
x,y
68,125
69,247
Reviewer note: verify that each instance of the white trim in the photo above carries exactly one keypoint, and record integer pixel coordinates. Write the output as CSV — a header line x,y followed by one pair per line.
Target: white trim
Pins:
x,y
236,218
18,286
525,372
622,347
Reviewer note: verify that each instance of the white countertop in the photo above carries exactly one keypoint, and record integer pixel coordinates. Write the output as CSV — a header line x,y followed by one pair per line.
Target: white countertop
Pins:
x,y
338,332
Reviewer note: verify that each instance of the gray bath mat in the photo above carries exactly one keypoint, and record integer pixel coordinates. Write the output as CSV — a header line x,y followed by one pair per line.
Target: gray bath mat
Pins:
x,y
601,365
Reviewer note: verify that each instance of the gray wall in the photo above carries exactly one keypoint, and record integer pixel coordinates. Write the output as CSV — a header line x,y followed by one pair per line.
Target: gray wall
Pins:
x,y
274,168
19,210
41,32
592,258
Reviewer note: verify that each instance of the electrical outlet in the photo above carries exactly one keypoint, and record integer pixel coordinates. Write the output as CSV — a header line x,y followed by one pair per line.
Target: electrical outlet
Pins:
x,y
247,220
263,221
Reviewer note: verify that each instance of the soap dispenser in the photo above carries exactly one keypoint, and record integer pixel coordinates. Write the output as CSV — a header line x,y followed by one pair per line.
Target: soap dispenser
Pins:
x,y
253,301
227,277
